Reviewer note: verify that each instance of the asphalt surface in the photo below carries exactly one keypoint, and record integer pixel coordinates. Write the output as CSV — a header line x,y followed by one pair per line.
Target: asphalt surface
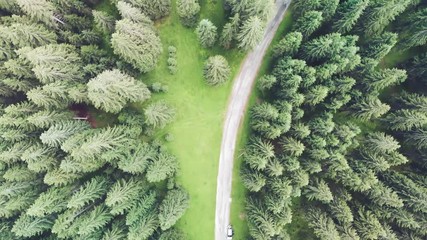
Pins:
x,y
239,98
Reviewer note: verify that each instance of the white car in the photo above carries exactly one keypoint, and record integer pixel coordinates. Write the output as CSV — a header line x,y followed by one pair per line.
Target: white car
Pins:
x,y
230,232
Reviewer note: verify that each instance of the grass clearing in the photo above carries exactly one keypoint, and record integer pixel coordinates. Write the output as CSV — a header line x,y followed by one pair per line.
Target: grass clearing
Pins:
x,y
197,129
238,217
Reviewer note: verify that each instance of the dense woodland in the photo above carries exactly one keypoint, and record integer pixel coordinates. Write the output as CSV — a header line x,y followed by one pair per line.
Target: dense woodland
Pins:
x,y
63,174
67,178
340,130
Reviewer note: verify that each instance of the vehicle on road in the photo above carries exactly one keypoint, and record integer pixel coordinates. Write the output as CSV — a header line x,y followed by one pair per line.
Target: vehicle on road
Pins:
x,y
230,232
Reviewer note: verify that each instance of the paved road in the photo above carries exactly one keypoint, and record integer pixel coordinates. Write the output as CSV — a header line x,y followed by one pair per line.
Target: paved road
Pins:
x,y
236,107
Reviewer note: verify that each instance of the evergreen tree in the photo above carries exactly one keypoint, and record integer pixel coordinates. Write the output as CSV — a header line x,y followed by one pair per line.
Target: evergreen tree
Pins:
x,y
318,190
90,191
207,33
308,23
216,70
173,207
348,13
132,13
289,45
250,33
54,200
380,13
111,90
123,195
27,226
137,44
161,167
158,114
367,225
368,108
155,9
266,82
188,11
323,226
103,21
405,119
55,62
61,131
38,10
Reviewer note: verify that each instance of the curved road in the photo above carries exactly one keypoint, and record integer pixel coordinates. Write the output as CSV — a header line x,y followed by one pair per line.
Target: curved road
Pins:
x,y
237,104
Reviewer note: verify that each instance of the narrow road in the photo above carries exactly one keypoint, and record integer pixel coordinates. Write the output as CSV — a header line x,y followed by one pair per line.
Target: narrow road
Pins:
x,y
236,107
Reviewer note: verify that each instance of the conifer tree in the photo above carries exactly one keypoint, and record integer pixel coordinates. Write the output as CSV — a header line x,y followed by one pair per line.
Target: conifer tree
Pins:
x,y
207,33
173,207
111,90
250,33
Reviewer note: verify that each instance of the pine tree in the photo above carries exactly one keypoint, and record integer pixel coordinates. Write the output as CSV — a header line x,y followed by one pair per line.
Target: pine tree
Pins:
x,y
55,62
379,46
53,95
318,190
172,208
61,131
155,9
250,33
379,142
188,11
323,226
54,200
123,195
94,220
163,165
103,21
158,114
289,45
292,146
136,157
380,13
207,33
132,13
266,82
405,119
308,23
370,107
229,31
347,15
316,95
89,192
27,226
417,138
137,44
111,90
216,70
39,10
253,180
368,225
33,35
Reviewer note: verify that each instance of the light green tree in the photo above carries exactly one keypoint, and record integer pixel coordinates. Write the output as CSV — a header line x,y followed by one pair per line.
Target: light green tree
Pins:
x,y
207,33
173,207
188,11
158,114
216,70
137,44
251,33
112,89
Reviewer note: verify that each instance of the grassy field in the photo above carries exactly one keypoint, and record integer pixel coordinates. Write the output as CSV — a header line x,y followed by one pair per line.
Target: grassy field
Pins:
x,y
238,218
197,129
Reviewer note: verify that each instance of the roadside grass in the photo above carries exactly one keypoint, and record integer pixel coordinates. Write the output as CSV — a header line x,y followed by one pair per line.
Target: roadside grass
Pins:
x,y
238,217
200,110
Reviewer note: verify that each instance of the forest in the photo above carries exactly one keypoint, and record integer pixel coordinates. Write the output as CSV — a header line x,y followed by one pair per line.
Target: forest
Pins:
x,y
339,139
90,88
65,174
85,149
